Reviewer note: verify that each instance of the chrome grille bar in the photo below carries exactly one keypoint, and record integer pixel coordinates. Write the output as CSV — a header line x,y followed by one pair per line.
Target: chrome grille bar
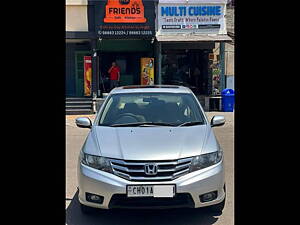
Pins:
x,y
181,172
142,163
125,169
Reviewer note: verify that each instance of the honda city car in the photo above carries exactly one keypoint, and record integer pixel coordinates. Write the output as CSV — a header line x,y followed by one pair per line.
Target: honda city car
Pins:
x,y
151,147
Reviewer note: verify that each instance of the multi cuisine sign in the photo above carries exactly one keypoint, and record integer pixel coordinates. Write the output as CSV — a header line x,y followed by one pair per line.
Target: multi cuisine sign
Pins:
x,y
191,17
125,18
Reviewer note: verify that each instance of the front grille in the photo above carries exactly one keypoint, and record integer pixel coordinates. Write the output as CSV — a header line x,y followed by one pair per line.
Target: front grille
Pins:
x,y
180,200
166,170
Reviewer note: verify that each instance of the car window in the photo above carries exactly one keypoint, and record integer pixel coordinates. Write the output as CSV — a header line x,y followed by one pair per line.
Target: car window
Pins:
x,y
104,114
170,108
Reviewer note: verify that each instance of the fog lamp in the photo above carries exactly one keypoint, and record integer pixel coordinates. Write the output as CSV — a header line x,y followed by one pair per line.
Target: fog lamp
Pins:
x,y
208,196
94,198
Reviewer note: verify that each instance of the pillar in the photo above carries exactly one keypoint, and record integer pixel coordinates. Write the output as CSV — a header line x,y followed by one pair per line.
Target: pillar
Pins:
x,y
222,65
159,79
95,85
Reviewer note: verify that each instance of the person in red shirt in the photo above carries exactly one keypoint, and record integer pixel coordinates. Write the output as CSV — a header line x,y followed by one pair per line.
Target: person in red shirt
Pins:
x,y
114,74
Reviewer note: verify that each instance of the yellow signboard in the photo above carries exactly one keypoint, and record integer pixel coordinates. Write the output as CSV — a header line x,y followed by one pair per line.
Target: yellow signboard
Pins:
x,y
87,75
147,71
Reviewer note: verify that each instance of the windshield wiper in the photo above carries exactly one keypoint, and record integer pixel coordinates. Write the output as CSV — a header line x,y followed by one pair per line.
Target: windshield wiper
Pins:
x,y
142,124
191,123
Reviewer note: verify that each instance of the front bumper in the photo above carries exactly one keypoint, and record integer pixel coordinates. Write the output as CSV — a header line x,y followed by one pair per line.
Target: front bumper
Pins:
x,y
193,184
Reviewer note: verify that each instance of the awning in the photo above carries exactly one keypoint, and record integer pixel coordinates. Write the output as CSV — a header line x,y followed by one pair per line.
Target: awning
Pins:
x,y
193,1
193,37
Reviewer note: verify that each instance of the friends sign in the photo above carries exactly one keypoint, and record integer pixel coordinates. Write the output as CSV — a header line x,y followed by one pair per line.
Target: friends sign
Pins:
x,y
124,12
125,19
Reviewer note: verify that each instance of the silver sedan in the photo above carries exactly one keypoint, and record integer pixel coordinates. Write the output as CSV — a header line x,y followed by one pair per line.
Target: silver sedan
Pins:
x,y
151,147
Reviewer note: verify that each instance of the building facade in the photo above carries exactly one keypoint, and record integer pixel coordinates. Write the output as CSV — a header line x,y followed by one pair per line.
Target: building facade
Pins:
x,y
177,38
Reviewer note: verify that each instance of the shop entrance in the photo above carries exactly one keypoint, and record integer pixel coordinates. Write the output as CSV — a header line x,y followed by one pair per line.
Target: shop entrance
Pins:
x,y
187,67
129,64
127,54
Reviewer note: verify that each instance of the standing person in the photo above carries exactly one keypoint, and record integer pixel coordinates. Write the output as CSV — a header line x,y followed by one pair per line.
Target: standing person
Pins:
x,y
114,74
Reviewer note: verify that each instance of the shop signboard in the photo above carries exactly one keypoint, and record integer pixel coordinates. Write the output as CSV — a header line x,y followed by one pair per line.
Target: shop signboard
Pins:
x,y
87,75
183,16
125,19
147,71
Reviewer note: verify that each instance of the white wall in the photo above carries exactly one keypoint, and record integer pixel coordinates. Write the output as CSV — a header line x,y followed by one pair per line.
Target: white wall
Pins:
x,y
76,2
76,15
230,82
229,59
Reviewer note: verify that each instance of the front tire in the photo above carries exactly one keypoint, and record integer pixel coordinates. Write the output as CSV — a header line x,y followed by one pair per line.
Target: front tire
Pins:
x,y
86,209
218,208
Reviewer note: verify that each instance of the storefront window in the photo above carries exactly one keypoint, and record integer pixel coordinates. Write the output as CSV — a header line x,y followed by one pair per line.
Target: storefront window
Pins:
x,y
187,68
175,68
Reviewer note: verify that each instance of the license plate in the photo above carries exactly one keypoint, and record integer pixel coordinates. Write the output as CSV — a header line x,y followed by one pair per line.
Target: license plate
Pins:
x,y
156,191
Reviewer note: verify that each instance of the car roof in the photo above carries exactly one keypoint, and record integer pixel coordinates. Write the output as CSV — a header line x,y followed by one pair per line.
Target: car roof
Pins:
x,y
151,89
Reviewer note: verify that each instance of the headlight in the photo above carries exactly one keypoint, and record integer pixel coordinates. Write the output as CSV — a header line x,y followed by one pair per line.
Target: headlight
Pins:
x,y
202,161
97,162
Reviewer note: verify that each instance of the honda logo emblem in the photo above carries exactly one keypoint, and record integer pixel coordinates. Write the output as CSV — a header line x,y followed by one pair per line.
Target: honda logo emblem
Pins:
x,y
150,169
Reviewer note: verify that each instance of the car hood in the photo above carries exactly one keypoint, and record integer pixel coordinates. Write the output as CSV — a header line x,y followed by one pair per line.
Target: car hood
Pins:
x,y
149,143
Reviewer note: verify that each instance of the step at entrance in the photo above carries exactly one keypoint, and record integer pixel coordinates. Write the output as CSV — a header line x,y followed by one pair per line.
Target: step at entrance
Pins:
x,y
79,106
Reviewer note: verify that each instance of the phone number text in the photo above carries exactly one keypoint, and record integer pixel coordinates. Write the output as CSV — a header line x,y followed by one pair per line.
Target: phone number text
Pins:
x,y
122,32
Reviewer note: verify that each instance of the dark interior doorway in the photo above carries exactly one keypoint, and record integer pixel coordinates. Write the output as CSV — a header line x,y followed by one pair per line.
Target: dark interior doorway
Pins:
x,y
187,67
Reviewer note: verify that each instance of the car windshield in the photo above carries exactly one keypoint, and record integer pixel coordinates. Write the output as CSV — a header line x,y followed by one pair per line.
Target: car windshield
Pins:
x,y
151,109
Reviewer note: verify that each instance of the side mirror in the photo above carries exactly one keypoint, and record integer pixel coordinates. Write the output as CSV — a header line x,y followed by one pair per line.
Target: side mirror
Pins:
x,y
217,121
83,122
